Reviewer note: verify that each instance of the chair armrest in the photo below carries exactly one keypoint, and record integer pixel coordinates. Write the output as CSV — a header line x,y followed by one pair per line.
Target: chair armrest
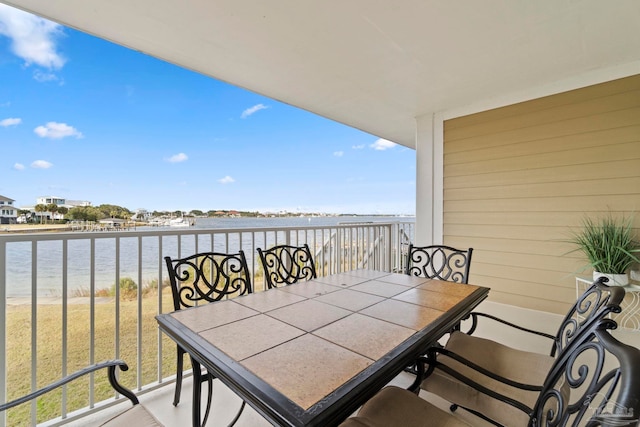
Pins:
x,y
111,367
431,361
476,315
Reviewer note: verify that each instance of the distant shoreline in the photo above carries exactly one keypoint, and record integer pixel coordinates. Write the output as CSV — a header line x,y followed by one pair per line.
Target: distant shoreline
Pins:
x,y
33,228
43,228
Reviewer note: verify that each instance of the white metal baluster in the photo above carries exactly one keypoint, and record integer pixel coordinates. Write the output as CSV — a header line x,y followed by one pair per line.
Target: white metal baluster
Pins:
x,y
3,328
347,249
34,326
387,246
92,318
337,250
117,302
140,317
362,248
376,242
65,277
160,282
379,248
359,261
366,249
332,239
349,254
395,235
252,251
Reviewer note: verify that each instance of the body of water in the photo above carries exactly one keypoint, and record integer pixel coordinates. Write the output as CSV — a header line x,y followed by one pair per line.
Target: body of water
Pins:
x,y
82,277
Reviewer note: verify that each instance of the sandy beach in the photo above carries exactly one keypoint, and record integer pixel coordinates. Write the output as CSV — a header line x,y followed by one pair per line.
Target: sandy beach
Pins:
x,y
33,228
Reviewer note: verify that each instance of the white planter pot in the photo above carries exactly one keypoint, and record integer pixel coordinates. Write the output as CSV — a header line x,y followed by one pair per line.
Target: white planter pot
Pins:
x,y
614,279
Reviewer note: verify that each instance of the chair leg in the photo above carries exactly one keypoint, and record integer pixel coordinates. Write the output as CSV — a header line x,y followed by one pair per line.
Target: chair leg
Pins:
x,y
197,389
198,379
179,368
419,369
209,378
235,420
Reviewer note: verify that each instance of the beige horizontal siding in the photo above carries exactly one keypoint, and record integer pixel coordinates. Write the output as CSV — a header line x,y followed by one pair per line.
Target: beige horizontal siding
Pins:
x,y
550,116
581,156
621,169
629,84
518,179
605,137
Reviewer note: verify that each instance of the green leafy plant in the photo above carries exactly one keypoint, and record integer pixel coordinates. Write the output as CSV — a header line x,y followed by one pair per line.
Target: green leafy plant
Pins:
x,y
608,244
128,288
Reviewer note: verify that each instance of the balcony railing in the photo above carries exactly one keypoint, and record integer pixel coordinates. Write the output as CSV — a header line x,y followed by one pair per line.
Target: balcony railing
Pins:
x,y
72,299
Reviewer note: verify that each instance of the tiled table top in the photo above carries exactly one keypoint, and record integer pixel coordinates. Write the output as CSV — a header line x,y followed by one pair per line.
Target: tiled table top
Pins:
x,y
308,339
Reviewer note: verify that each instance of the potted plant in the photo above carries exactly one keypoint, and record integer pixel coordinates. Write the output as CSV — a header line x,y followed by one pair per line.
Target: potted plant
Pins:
x,y
609,246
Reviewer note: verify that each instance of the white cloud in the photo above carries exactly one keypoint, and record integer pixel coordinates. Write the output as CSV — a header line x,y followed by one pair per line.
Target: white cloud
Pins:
x,y
41,164
18,166
10,122
226,180
249,111
358,147
55,130
338,153
382,144
32,38
43,77
177,158
5,104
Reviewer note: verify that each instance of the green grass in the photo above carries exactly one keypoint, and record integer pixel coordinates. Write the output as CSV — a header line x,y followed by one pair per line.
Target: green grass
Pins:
x,y
49,351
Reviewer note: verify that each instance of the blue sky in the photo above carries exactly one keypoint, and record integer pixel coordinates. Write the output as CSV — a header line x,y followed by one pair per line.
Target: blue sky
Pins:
x,y
84,119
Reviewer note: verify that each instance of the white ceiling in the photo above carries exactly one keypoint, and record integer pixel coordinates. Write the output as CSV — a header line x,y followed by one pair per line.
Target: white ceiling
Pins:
x,y
372,64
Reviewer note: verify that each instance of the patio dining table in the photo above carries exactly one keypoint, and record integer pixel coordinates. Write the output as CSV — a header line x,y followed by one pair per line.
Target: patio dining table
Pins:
x,y
309,354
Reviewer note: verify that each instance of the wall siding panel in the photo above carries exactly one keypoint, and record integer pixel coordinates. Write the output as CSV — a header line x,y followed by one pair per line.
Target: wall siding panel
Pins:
x,y
603,105
519,178
629,84
621,169
580,141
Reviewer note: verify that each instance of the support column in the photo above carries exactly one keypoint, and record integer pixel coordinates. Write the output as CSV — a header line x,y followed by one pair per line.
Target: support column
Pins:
x,y
429,179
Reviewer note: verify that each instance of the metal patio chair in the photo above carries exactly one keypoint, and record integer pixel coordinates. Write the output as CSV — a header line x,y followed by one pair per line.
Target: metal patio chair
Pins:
x,y
199,279
490,365
136,415
286,264
594,383
439,262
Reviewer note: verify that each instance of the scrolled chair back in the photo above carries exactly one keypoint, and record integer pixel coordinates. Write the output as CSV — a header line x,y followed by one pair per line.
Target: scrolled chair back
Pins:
x,y
594,383
439,262
207,277
596,302
286,264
